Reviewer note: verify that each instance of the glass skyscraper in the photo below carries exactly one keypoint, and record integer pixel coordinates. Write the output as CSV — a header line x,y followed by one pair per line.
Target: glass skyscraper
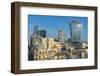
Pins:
x,y
76,31
42,33
35,30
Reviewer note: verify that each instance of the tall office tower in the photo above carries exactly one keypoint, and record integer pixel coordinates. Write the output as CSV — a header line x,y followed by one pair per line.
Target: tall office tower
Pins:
x,y
61,36
35,38
76,33
35,30
42,33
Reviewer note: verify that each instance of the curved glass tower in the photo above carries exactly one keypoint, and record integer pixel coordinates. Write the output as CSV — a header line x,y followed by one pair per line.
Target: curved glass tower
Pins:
x,y
76,33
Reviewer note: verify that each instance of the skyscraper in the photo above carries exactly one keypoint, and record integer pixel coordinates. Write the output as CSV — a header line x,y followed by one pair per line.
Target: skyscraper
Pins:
x,y
35,30
42,33
76,33
35,39
61,36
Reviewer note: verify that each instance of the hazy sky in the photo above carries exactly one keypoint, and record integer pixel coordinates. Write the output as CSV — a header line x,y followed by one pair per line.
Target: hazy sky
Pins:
x,y
55,23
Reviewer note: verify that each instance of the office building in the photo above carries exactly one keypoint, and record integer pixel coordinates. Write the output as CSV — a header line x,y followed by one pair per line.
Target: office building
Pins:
x,y
76,33
42,33
61,36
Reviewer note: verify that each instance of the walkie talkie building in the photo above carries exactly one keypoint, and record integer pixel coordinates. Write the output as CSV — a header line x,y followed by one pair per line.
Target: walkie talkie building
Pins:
x,y
76,33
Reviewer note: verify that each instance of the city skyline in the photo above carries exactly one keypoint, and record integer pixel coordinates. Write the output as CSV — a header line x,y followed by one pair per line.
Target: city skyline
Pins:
x,y
52,24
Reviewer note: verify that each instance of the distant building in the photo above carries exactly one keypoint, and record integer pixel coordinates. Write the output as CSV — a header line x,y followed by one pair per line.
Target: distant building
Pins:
x,y
42,33
68,45
85,45
46,42
30,53
34,39
35,30
44,48
57,45
50,43
43,42
61,36
76,33
48,50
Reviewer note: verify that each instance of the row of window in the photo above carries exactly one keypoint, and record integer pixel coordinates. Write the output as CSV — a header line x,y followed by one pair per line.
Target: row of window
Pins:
x,y
45,52
48,57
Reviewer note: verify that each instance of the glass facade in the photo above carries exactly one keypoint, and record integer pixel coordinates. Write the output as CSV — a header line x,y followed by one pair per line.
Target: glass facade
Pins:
x,y
76,31
35,31
42,33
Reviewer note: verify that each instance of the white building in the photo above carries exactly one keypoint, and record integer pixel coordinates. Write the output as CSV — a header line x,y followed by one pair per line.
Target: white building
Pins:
x,y
47,42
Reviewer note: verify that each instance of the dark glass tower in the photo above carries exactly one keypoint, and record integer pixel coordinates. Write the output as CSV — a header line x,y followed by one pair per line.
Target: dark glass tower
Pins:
x,y
42,33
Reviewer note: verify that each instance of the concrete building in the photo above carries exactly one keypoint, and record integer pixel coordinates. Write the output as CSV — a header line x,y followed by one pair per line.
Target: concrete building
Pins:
x,y
61,36
50,43
47,51
84,45
47,42
43,42
57,45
